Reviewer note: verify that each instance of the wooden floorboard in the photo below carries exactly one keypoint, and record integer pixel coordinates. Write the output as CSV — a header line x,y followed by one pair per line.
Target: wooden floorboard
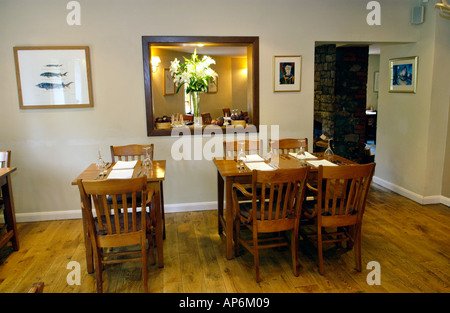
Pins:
x,y
408,240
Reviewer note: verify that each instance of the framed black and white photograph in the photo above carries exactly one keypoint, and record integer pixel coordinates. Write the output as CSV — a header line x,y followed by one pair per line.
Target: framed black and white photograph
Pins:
x,y
403,74
287,73
53,77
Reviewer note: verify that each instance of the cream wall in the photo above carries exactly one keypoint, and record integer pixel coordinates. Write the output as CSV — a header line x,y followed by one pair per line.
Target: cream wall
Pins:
x,y
51,147
411,128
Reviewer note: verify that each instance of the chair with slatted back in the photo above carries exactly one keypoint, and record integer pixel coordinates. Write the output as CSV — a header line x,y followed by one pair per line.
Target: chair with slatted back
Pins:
x,y
286,145
137,152
274,210
226,112
121,226
37,288
206,118
129,152
341,200
188,118
230,148
5,161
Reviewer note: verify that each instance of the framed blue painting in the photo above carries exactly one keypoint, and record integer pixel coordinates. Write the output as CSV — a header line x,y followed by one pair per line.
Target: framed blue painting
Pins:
x,y
403,74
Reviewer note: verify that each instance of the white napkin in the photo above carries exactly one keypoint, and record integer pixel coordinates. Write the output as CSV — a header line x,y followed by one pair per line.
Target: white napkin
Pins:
x,y
260,166
307,155
253,158
321,162
124,164
121,174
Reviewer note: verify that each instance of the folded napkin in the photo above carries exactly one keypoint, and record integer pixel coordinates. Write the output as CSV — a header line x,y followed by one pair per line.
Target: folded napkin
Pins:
x,y
253,158
124,164
307,155
317,163
121,174
260,166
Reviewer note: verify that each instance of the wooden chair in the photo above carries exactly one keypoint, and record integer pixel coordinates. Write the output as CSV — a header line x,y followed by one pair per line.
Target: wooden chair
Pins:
x,y
341,199
121,228
129,152
206,118
133,152
226,112
230,148
5,161
287,145
37,288
278,212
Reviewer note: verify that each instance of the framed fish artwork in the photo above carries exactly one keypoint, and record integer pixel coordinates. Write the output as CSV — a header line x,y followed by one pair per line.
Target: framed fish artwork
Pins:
x,y
53,77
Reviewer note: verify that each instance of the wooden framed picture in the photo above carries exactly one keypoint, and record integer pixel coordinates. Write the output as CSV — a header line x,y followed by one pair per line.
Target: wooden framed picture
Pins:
x,y
287,73
53,77
169,85
403,74
376,76
213,86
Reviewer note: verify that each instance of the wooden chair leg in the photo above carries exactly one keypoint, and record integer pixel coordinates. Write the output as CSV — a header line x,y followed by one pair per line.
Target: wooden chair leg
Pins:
x,y
358,248
236,233
256,255
294,252
144,265
319,249
98,271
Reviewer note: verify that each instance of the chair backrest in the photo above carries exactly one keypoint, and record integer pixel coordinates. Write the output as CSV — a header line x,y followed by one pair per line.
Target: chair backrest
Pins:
x,y
226,112
122,193
342,193
5,158
278,197
206,118
130,152
230,148
287,145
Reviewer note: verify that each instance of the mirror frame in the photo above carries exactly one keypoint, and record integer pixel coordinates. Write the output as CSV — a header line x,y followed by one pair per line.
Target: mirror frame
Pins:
x,y
147,42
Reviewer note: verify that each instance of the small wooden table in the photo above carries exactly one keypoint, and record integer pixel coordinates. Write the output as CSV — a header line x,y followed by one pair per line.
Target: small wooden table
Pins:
x,y
10,215
228,173
154,178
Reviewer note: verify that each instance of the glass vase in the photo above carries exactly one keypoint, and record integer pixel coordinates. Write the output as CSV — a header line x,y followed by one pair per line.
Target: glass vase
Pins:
x,y
195,102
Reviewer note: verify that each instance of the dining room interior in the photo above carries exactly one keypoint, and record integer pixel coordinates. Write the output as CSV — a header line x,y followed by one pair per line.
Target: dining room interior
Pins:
x,y
342,109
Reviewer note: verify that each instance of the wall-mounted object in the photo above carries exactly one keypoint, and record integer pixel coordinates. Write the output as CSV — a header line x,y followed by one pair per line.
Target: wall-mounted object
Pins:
x,y
155,63
444,7
53,77
417,14
403,74
287,73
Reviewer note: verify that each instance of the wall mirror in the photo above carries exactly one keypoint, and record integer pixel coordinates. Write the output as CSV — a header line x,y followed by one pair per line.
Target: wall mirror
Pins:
x,y
237,88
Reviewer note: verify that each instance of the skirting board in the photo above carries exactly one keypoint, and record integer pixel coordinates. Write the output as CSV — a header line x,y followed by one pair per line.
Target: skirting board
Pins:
x,y
412,195
204,206
76,214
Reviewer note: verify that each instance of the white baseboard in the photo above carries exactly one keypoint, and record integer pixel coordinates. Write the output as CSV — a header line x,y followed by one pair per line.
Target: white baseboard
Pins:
x,y
76,214
212,205
412,195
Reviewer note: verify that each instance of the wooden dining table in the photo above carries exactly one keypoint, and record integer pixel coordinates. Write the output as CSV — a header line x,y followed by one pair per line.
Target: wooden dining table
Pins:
x,y
9,210
228,173
154,178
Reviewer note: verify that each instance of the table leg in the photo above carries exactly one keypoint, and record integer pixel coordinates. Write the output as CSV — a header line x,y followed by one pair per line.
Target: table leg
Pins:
x,y
219,202
159,222
87,243
229,219
10,215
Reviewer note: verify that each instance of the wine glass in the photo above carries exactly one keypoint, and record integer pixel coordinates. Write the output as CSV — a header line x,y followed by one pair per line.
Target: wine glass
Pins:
x,y
241,153
328,154
301,152
268,156
147,164
100,164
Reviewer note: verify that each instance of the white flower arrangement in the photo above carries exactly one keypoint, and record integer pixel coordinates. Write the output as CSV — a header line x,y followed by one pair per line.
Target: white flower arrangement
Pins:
x,y
195,73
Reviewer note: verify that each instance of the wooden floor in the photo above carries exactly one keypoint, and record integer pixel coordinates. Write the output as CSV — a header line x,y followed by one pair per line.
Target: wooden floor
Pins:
x,y
411,243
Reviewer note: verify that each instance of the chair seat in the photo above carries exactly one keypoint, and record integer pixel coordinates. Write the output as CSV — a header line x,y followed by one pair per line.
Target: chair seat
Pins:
x,y
310,207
